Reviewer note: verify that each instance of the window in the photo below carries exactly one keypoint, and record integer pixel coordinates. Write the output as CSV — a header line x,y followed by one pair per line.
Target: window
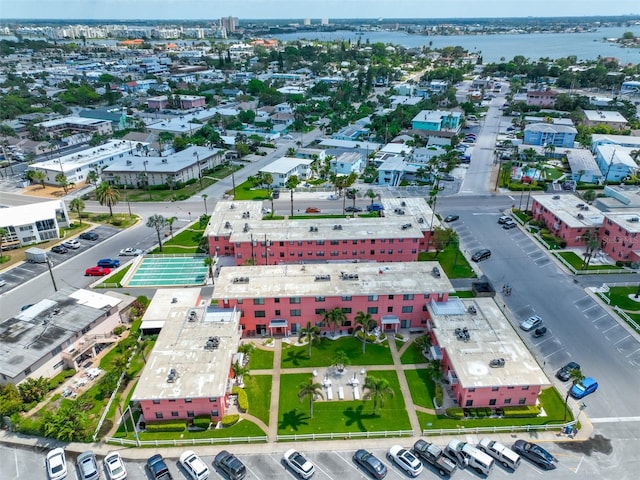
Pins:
x,y
346,310
258,301
320,311
190,414
172,400
213,399
156,402
469,403
188,400
294,300
174,414
525,387
495,389
390,297
507,401
373,298
408,296
509,388
295,313
276,300
492,401
389,309
159,415
407,309
372,310
214,413
346,298
259,314
472,389
522,401
277,312
320,299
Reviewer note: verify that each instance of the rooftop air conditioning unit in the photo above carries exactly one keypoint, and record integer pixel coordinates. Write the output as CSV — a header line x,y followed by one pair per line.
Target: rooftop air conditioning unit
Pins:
x,y
634,219
164,160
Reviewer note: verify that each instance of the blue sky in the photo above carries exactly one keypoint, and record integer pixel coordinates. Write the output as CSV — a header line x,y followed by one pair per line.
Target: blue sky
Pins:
x,y
213,9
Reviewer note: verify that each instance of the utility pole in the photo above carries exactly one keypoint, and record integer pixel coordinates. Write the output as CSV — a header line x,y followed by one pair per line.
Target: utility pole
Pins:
x,y
613,155
53,280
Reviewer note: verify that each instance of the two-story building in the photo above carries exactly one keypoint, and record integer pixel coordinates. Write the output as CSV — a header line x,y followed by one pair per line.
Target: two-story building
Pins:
x,y
436,120
610,118
615,162
33,223
544,98
395,294
541,134
285,167
467,335
347,163
620,235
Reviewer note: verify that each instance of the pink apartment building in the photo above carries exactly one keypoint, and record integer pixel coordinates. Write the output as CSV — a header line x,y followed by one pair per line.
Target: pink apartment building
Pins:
x,y
545,98
467,335
282,299
236,229
620,235
189,371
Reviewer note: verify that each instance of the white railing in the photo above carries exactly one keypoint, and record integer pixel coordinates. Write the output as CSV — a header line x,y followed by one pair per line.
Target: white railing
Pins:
x,y
345,435
627,318
496,429
178,443
181,255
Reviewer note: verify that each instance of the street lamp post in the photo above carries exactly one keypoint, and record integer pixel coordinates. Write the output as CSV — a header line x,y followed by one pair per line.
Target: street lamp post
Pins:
x,y
53,280
146,174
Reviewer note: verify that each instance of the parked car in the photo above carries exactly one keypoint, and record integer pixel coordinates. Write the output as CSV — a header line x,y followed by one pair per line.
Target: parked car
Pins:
x,y
534,321
158,468
539,332
230,465
89,236
505,219
448,178
564,373
370,463
130,252
509,225
194,466
2,282
430,453
535,453
59,249
502,454
299,464
481,255
114,466
584,387
451,218
375,207
97,271
72,243
275,194
26,307
352,209
56,464
406,460
108,262
88,466
312,210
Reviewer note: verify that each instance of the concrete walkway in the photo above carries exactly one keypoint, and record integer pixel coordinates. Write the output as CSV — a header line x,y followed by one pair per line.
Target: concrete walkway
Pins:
x,y
404,386
272,431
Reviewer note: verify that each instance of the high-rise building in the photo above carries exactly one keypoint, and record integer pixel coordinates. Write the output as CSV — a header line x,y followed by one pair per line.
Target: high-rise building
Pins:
x,y
324,21
229,23
307,21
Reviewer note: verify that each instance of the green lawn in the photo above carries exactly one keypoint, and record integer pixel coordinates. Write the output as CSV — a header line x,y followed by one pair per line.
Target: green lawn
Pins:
x,y
339,415
550,399
261,359
620,296
446,258
577,262
323,353
246,191
258,389
463,294
412,355
422,387
115,278
244,428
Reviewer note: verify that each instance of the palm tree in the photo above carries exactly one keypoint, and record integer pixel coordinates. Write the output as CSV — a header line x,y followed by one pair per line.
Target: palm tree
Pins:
x,y
208,262
309,389
107,195
92,177
3,233
38,176
169,221
364,319
63,181
423,342
291,184
158,222
335,317
267,179
239,371
340,360
77,205
204,199
591,243
575,375
311,334
377,389
372,195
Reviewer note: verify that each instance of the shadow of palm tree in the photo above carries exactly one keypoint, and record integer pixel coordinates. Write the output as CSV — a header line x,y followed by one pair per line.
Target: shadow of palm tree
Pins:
x,y
293,419
294,357
355,415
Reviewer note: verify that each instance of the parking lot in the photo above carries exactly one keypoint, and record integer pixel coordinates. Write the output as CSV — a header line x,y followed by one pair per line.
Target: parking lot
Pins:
x,y
329,464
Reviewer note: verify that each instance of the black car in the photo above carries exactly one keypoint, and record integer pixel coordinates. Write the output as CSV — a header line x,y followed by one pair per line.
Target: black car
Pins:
x,y
88,236
353,209
481,255
535,453
230,465
564,373
451,218
59,249
448,178
539,332
370,464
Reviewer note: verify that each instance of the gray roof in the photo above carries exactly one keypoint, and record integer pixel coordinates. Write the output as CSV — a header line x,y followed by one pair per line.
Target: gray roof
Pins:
x,y
551,128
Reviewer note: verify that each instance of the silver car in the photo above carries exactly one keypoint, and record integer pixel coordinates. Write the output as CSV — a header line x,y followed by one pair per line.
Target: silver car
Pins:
x,y
534,321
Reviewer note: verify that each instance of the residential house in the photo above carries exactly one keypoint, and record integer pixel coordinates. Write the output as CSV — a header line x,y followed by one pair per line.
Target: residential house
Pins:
x,y
285,167
544,98
612,119
436,120
33,223
541,134
347,163
615,162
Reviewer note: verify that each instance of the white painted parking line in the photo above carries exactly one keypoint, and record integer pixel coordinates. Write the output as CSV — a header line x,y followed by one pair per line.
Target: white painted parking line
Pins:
x,y
635,351
590,308
600,317
252,472
622,339
553,353
614,419
611,328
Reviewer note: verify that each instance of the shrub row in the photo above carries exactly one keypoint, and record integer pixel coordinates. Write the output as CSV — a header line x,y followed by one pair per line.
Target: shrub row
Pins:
x,y
229,420
439,394
521,411
479,412
243,399
455,412
56,381
169,426
202,421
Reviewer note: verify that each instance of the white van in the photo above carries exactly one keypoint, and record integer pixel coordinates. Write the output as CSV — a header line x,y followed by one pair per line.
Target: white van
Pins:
x,y
502,454
467,455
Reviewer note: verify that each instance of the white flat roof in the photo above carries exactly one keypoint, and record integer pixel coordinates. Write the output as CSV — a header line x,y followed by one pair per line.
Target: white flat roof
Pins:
x,y
26,214
627,219
490,336
163,300
571,210
284,165
604,116
88,156
181,346
73,120
328,279
617,139
617,154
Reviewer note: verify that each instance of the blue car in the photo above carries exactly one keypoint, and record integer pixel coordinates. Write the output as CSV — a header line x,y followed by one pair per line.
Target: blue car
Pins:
x,y
108,262
584,387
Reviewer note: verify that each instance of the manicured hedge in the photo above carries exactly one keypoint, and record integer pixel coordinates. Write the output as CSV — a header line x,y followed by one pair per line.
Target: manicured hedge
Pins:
x,y
229,420
169,426
243,399
56,381
202,421
439,394
455,412
521,411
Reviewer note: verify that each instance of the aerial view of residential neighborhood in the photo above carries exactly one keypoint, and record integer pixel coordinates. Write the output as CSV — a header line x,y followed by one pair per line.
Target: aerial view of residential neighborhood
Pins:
x,y
325,242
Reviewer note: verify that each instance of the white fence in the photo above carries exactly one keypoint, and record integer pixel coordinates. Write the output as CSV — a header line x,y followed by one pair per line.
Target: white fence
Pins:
x,y
345,436
178,443
496,429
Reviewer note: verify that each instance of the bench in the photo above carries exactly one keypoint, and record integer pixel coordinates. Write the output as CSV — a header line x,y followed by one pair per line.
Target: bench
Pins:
x,y
341,393
329,393
356,393
416,330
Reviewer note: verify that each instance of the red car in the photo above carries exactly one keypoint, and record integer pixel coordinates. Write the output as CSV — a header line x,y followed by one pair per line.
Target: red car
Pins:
x,y
313,210
97,271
